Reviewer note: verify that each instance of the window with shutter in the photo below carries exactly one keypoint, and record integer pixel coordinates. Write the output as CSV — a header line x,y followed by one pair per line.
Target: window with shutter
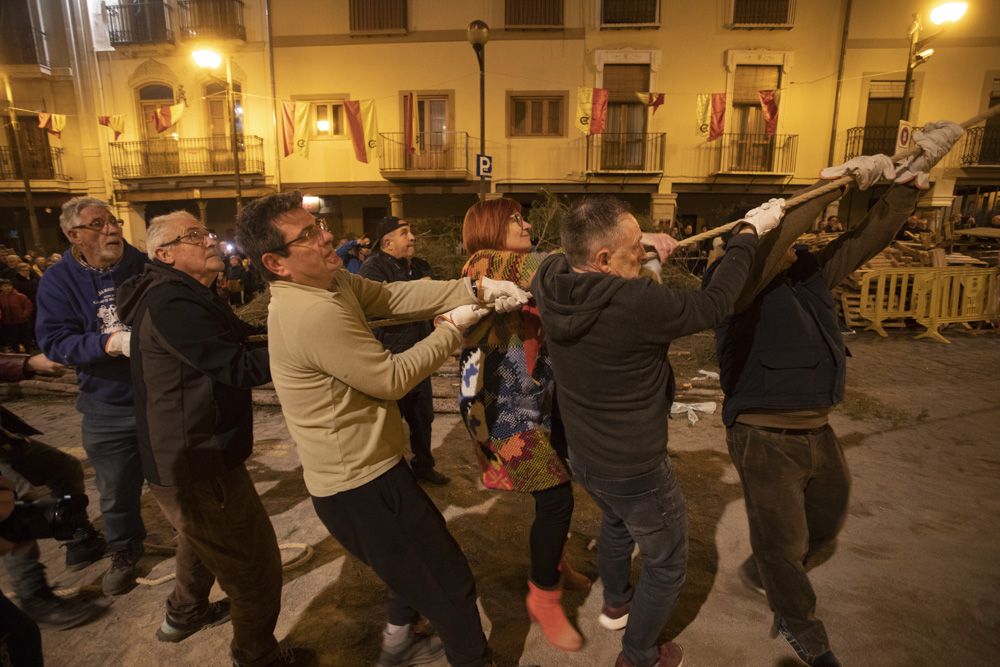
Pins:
x,y
533,13
369,17
762,13
622,13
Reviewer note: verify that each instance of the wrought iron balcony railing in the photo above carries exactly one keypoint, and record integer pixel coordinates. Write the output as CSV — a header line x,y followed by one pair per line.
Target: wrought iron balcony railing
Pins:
x,y
40,164
441,155
214,19
758,153
624,152
200,156
870,140
981,147
137,23
27,47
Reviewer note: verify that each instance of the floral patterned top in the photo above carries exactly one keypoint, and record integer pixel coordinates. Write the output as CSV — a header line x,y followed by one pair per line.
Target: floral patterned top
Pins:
x,y
507,389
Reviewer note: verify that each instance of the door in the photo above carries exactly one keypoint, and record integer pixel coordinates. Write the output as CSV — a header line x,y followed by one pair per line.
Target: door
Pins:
x,y
748,148
881,123
160,155
623,144
435,138
34,144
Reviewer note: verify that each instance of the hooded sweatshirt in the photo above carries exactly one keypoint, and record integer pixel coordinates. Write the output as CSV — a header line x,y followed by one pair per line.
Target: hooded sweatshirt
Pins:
x,y
608,339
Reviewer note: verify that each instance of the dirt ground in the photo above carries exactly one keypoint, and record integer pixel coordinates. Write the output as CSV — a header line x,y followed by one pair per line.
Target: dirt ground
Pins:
x,y
914,579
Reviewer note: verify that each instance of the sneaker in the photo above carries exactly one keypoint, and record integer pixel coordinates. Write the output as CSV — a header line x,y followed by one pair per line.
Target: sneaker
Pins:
x,y
825,659
614,618
121,577
45,608
216,613
413,649
750,576
431,475
671,655
87,546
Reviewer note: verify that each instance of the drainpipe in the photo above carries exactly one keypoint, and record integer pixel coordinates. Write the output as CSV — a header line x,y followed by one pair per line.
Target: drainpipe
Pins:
x,y
274,114
840,75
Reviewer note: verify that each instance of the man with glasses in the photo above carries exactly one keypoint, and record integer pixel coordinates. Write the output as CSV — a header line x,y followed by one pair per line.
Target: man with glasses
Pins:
x,y
193,370
78,325
338,388
393,261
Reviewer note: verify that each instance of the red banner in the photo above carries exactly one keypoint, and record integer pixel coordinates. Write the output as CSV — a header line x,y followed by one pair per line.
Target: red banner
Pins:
x,y
718,122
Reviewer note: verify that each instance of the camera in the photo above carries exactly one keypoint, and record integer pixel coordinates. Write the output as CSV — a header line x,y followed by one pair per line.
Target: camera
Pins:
x,y
56,518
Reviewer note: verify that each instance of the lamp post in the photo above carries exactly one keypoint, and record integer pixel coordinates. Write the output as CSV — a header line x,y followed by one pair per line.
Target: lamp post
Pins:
x,y
210,60
918,52
479,33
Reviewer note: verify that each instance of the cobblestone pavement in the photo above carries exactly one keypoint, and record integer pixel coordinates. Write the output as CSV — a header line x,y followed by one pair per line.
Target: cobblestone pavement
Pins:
x,y
913,580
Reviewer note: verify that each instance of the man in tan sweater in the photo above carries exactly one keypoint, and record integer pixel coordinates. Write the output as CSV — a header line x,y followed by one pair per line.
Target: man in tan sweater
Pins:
x,y
338,388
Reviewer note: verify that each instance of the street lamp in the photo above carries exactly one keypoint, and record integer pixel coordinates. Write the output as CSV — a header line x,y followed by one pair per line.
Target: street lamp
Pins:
x,y
479,33
210,60
918,53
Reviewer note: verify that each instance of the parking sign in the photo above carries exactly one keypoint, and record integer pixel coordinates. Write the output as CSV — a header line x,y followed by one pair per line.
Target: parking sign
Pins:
x,y
484,166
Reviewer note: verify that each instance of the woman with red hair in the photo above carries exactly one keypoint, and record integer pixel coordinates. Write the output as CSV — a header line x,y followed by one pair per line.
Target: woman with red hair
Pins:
x,y
507,401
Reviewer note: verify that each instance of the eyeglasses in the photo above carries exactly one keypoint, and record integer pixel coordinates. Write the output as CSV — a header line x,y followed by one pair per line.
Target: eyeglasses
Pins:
x,y
518,219
308,235
98,225
194,236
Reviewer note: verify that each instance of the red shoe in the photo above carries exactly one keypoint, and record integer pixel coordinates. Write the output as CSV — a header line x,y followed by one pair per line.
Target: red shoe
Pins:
x,y
545,608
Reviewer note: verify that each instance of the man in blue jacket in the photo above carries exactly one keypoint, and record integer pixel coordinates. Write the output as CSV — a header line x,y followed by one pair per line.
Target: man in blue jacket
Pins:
x,y
78,326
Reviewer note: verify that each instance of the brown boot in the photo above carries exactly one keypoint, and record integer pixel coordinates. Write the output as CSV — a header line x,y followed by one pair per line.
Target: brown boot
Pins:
x,y
545,608
571,579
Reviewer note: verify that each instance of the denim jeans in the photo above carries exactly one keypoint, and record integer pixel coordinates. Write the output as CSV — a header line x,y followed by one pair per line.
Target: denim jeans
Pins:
x,y
645,510
110,440
796,489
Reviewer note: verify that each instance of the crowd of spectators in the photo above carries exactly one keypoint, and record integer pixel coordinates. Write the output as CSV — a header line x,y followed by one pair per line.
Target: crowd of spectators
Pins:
x,y
19,276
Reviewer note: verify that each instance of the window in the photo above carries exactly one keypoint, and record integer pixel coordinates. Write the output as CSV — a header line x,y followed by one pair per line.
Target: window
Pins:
x,y
533,13
624,139
536,114
763,13
378,16
629,13
327,120
751,149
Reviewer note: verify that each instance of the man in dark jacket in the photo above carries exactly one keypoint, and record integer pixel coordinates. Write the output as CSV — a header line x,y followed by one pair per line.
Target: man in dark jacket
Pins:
x,y
608,332
783,368
393,261
77,325
193,371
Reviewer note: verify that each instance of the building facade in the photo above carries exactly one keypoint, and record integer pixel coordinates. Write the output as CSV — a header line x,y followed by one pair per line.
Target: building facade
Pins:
x,y
838,69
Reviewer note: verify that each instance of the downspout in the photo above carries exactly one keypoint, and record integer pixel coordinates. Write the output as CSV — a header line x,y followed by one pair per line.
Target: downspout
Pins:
x,y
274,98
840,76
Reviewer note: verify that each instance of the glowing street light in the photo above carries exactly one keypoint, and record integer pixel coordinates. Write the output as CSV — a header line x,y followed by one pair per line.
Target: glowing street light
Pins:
x,y
949,12
210,60
942,15
207,58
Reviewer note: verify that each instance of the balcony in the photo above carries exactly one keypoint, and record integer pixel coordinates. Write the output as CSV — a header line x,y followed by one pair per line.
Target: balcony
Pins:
x,y
980,147
199,156
139,23
870,141
24,47
443,156
757,154
40,164
625,153
211,19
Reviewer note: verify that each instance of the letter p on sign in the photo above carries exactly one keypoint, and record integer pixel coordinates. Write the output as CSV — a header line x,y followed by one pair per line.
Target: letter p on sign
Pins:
x,y
484,166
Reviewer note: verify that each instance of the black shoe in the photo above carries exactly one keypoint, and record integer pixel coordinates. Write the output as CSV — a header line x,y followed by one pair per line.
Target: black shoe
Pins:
x,y
750,576
216,613
293,656
414,649
431,475
825,659
87,546
121,577
60,613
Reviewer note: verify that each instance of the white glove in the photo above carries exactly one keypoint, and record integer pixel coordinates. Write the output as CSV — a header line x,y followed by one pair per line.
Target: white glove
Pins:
x,y
503,295
461,318
866,170
765,217
118,344
935,140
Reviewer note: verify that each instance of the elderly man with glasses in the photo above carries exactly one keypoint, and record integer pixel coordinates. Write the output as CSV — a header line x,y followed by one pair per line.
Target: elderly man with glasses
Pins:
x,y
193,370
78,325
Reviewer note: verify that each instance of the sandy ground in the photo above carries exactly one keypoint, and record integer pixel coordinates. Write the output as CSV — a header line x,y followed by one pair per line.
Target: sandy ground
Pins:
x,y
913,581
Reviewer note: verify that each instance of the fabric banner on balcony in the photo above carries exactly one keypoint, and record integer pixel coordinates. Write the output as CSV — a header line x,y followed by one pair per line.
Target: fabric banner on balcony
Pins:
x,y
166,117
301,132
718,123
363,127
702,113
591,110
54,123
654,100
411,123
287,127
115,122
769,109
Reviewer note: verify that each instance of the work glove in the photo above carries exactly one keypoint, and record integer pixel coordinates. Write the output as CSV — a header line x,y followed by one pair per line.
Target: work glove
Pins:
x,y
765,217
118,344
935,140
503,295
663,244
866,170
461,318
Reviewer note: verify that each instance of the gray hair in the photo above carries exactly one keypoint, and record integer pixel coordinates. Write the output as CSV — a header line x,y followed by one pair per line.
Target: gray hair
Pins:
x,y
159,231
70,216
589,223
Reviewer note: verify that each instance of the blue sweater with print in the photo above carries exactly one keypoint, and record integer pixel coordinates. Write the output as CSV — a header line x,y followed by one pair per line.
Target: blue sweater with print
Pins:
x,y
76,316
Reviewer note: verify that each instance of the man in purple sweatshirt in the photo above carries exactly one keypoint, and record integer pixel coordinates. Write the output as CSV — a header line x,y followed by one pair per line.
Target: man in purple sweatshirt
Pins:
x,y
78,326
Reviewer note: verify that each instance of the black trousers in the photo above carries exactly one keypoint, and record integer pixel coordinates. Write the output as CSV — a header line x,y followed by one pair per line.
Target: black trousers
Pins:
x,y
796,489
417,408
20,639
391,525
